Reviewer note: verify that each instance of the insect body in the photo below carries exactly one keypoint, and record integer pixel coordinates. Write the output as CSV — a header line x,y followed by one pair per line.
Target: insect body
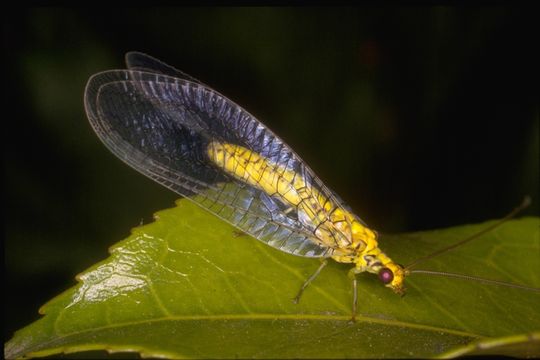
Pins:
x,y
332,226
196,142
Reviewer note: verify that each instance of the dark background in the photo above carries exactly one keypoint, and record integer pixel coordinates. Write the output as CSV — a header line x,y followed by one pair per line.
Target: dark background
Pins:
x,y
419,117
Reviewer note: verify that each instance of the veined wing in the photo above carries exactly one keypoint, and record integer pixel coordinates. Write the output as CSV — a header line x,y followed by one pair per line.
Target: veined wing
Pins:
x,y
136,60
162,125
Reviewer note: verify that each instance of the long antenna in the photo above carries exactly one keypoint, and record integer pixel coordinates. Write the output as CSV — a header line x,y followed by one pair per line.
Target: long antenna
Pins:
x,y
475,278
526,202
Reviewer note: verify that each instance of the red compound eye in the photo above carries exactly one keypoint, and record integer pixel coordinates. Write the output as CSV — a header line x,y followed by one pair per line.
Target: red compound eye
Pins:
x,y
386,275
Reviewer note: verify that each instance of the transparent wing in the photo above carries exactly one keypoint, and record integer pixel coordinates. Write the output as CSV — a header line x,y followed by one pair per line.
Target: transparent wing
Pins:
x,y
161,125
136,60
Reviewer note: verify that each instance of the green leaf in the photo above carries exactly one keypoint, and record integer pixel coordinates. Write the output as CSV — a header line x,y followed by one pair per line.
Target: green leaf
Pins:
x,y
188,286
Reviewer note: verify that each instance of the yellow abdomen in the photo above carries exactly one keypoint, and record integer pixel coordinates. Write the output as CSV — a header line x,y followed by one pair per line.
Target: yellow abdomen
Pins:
x,y
332,226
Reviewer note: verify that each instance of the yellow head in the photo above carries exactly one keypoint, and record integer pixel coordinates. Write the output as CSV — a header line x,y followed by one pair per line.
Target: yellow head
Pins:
x,y
376,262
392,275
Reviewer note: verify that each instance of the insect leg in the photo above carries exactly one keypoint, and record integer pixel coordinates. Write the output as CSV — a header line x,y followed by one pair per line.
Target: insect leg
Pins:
x,y
308,281
352,276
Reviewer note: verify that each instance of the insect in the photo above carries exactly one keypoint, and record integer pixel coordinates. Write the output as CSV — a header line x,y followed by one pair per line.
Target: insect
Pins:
x,y
188,137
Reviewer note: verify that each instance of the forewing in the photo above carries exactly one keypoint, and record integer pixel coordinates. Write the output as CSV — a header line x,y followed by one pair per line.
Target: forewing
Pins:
x,y
136,60
161,125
